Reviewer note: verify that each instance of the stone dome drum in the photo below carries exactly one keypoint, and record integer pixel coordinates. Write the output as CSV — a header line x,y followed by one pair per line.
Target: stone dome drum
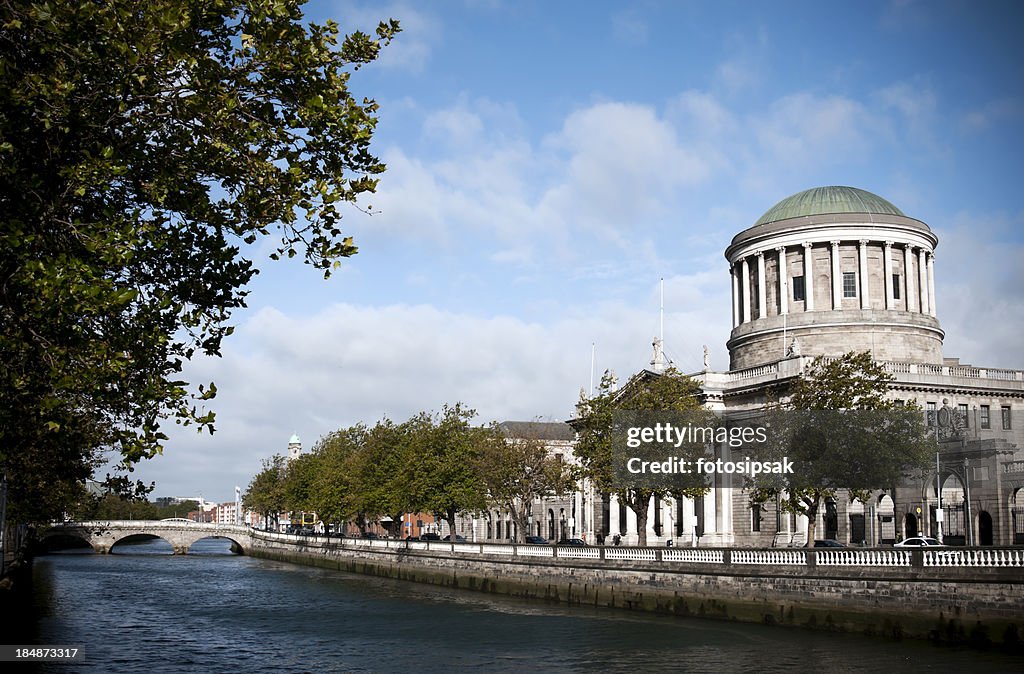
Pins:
x,y
836,269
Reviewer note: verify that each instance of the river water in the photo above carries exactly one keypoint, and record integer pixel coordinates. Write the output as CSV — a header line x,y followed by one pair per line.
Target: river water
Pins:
x,y
143,610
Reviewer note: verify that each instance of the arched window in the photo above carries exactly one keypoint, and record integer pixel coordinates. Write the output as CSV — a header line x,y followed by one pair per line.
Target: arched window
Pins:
x,y
886,520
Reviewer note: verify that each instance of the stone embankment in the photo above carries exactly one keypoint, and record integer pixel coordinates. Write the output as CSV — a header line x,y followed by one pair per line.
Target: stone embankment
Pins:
x,y
974,595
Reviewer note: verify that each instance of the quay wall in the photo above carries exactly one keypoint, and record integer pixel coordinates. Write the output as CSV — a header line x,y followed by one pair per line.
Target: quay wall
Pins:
x,y
956,603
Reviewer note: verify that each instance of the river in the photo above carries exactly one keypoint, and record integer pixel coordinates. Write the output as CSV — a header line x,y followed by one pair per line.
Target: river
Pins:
x,y
142,609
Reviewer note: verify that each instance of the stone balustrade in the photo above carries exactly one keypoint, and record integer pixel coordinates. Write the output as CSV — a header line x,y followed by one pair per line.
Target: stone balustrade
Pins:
x,y
103,535
808,557
693,555
862,557
770,557
753,375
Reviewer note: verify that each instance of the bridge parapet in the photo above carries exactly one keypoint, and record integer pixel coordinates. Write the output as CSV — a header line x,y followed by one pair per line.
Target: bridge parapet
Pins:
x,y
181,534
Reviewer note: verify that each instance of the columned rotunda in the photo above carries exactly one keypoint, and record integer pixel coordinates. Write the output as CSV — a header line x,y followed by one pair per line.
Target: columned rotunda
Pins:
x,y
837,269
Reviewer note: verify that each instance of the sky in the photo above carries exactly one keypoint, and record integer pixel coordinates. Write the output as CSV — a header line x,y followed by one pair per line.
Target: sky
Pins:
x,y
550,162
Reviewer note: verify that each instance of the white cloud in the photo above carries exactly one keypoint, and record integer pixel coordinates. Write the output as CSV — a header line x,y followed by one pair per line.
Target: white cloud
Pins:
x,y
811,131
611,168
347,364
978,289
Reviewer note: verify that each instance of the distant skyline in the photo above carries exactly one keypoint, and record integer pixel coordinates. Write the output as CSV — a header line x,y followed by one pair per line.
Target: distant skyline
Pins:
x,y
548,163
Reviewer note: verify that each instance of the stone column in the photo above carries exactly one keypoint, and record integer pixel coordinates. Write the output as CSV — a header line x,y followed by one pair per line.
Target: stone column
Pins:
x,y
735,296
783,281
908,261
887,270
837,278
710,514
865,292
931,284
745,286
922,268
632,534
613,515
689,518
762,292
808,279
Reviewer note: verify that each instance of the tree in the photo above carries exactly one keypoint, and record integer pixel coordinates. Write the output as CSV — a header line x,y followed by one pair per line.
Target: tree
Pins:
x,y
265,494
669,391
142,145
841,432
332,486
298,484
445,452
382,472
516,471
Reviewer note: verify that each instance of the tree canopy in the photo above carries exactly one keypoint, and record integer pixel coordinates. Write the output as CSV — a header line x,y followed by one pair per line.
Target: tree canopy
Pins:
x,y
265,494
842,433
428,463
143,146
669,391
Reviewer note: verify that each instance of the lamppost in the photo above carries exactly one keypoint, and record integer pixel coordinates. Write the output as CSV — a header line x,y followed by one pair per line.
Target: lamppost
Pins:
x,y
671,521
938,494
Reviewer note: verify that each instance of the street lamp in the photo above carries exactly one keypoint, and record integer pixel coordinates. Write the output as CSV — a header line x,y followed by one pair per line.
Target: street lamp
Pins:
x,y
938,492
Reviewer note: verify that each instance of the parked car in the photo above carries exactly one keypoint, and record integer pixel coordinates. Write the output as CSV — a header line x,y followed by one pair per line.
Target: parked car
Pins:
x,y
828,543
371,535
430,537
536,540
458,538
944,552
918,542
573,542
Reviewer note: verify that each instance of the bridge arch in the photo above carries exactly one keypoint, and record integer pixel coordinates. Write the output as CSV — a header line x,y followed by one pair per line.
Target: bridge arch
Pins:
x,y
59,540
236,546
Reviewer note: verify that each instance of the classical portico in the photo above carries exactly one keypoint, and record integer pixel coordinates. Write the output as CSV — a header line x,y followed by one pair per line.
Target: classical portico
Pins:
x,y
840,269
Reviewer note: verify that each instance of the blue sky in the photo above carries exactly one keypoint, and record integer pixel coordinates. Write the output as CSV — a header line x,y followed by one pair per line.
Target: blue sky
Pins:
x,y
549,162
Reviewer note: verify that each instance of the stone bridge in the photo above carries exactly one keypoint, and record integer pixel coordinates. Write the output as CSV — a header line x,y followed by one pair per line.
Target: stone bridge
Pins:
x,y
180,533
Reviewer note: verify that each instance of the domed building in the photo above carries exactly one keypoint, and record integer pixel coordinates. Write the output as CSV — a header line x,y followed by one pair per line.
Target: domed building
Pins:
x,y
823,272
834,269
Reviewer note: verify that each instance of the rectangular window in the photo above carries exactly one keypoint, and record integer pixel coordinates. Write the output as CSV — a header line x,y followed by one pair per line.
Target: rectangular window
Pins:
x,y
931,408
849,284
985,422
799,292
1006,417
755,517
964,416
895,286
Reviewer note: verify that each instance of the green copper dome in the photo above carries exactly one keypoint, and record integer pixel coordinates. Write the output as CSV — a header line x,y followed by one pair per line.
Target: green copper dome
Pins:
x,y
828,200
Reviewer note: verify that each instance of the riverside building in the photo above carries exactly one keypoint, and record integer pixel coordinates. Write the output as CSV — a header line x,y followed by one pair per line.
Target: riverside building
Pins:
x,y
823,272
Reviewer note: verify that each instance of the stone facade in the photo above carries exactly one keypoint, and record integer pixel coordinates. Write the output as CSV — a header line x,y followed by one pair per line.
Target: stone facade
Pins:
x,y
553,517
871,287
